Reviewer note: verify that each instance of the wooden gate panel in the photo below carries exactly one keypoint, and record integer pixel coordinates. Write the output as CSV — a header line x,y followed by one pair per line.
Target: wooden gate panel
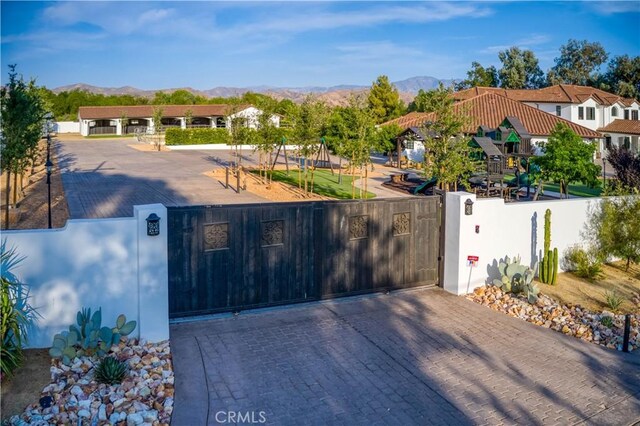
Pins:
x,y
227,258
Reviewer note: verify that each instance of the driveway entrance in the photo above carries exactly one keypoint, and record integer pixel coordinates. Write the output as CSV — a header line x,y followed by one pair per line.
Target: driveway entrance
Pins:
x,y
415,357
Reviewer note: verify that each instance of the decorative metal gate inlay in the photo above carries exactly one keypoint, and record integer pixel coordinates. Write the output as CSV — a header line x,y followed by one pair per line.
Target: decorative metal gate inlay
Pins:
x,y
401,223
358,227
216,236
272,233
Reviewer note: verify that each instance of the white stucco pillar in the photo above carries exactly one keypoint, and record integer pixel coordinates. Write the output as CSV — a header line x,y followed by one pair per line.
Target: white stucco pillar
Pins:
x,y
183,122
119,126
153,275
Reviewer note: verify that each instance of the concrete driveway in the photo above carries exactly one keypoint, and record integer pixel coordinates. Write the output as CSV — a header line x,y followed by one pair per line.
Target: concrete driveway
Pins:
x,y
107,177
414,357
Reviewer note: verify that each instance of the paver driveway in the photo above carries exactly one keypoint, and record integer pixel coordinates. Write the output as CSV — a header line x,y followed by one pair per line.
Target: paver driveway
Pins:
x,y
413,357
106,178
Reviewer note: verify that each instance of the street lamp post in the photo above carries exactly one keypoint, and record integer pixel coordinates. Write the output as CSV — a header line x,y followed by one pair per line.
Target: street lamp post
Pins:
x,y
49,166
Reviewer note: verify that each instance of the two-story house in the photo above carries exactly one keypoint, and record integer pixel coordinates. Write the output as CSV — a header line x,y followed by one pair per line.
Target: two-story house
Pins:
x,y
615,117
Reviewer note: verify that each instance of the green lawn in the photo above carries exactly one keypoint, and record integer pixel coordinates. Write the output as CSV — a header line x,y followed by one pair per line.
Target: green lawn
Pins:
x,y
324,183
577,189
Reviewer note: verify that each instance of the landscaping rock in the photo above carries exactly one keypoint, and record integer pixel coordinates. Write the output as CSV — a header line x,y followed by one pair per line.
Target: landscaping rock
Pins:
x,y
141,398
573,320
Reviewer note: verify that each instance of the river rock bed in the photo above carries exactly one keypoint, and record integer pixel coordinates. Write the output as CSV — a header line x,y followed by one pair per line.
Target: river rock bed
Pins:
x,y
145,396
569,319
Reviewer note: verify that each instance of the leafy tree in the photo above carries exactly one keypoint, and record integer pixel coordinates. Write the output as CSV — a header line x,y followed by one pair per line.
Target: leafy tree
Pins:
x,y
158,113
385,139
627,166
268,136
448,156
188,117
384,100
614,228
308,127
567,159
22,113
578,63
351,133
520,69
479,76
623,76
429,100
182,97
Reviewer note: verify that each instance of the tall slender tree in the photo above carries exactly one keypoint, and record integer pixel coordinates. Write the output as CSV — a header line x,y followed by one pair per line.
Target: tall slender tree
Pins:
x,y
384,100
22,113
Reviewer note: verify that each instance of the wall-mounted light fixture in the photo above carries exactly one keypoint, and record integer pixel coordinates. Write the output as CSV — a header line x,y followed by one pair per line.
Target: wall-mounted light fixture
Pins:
x,y
153,225
468,207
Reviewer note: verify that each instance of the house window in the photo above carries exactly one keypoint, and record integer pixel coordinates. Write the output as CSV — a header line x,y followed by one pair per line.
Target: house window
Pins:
x,y
591,113
634,115
498,136
409,144
614,112
626,114
220,123
558,110
607,142
580,113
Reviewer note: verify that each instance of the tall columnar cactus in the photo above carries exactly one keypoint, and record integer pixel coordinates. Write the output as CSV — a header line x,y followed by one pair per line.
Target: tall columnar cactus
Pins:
x,y
549,265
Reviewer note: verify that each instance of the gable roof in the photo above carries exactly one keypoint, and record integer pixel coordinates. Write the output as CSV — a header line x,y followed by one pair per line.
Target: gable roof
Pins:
x,y
487,145
630,127
141,111
560,93
490,109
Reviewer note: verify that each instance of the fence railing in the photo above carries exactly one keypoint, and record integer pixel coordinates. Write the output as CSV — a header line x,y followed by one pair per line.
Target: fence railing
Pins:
x,y
107,130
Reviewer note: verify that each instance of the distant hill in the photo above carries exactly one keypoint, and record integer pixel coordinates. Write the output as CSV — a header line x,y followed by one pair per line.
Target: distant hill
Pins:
x,y
333,95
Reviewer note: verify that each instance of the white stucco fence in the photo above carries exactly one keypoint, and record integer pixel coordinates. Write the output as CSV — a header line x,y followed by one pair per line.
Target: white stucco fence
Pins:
x,y
108,263
66,127
505,229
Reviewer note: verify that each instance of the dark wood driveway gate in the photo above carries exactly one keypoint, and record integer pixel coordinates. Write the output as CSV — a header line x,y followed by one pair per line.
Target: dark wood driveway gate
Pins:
x,y
234,257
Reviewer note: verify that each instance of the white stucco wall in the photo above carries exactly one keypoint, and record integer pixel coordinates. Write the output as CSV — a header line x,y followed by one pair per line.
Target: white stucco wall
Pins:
x,y
66,127
108,263
509,229
416,154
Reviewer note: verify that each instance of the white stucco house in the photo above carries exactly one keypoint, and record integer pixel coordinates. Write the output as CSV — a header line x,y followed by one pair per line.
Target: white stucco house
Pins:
x,y
121,120
488,109
586,106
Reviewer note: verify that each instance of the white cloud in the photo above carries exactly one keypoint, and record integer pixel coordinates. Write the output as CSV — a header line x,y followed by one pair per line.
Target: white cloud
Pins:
x,y
613,7
523,43
377,50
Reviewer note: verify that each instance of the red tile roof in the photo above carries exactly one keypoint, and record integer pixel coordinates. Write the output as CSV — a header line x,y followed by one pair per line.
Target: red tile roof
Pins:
x,y
560,93
490,109
630,127
141,111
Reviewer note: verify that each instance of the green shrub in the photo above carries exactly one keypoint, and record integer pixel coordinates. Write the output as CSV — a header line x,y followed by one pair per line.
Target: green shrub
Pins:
x,y
175,136
110,371
607,321
613,300
17,314
583,263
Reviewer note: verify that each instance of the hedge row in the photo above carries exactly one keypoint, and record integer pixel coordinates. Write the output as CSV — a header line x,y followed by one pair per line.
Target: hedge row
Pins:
x,y
175,136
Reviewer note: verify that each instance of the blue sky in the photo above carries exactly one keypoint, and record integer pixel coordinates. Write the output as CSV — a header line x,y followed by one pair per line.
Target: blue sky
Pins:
x,y
153,45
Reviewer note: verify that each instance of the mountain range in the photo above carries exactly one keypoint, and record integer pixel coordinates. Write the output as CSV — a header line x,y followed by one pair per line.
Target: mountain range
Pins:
x,y
333,95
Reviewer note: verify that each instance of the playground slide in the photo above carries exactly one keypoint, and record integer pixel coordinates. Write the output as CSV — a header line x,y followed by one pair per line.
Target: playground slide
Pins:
x,y
427,184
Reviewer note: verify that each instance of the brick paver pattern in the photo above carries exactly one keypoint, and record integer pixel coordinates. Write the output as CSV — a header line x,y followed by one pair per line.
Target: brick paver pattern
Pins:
x,y
415,357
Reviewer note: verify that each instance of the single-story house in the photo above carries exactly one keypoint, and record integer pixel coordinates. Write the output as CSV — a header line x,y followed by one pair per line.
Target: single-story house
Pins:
x,y
120,120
